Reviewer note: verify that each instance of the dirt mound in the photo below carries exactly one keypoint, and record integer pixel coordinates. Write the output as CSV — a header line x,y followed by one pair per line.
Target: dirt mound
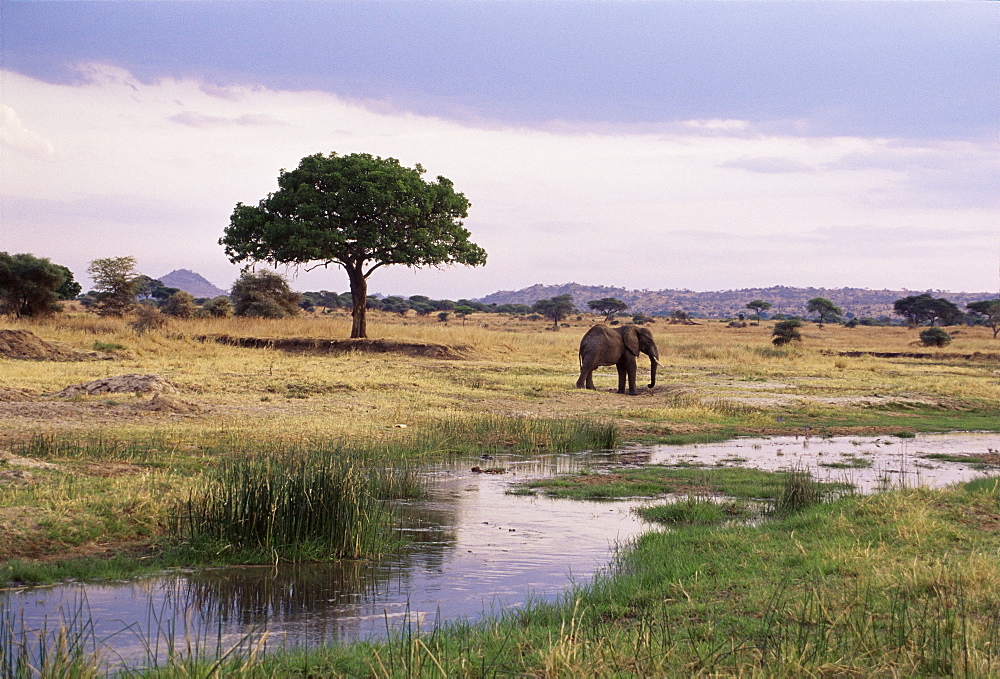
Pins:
x,y
24,345
15,395
168,404
309,345
122,384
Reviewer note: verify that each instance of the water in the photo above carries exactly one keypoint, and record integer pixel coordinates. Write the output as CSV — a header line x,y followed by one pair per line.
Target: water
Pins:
x,y
476,551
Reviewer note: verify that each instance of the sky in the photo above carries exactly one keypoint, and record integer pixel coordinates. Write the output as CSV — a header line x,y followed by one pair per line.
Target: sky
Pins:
x,y
698,145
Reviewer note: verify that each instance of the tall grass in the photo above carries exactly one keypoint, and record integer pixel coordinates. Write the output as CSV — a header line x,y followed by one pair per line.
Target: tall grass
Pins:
x,y
497,433
315,506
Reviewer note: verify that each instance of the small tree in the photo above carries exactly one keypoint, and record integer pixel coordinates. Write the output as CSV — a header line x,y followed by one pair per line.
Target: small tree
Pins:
x,y
29,285
180,304
989,310
608,306
463,311
265,294
218,307
828,311
786,331
555,309
935,337
359,212
443,316
116,284
758,306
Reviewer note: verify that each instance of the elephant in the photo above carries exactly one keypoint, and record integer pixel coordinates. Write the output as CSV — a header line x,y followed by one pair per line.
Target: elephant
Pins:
x,y
619,347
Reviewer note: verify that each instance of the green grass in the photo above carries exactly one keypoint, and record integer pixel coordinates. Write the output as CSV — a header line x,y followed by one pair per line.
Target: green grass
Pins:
x,y
654,480
698,510
318,505
904,583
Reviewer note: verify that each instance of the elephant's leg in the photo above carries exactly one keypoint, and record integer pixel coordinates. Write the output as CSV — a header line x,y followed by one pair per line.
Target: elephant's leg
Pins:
x,y
622,374
630,371
586,374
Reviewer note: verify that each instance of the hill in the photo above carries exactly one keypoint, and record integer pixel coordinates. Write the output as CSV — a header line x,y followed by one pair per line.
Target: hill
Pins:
x,y
860,302
189,281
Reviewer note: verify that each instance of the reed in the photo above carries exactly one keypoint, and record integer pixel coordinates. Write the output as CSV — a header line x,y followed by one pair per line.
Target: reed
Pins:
x,y
290,508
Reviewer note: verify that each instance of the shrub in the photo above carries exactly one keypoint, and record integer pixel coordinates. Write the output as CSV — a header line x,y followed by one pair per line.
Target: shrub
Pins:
x,y
147,318
787,331
265,294
180,304
219,307
935,337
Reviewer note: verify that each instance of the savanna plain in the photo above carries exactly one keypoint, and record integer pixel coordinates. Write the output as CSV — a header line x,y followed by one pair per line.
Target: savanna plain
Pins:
x,y
267,443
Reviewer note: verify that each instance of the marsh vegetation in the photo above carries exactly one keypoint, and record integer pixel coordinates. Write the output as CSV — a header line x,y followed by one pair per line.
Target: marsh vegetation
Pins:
x,y
901,582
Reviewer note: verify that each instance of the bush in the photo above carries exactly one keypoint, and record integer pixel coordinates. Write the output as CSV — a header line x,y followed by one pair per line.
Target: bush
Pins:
x,y
180,304
786,331
935,337
218,307
265,294
147,318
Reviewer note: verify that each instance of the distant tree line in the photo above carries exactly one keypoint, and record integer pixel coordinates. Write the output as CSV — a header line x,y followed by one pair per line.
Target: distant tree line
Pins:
x,y
33,286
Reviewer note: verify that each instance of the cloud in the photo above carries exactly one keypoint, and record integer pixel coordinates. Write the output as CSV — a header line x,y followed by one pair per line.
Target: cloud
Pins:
x,y
155,168
202,121
15,135
769,165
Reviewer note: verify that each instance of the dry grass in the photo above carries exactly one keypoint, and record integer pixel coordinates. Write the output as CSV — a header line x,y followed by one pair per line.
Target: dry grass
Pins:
x,y
512,366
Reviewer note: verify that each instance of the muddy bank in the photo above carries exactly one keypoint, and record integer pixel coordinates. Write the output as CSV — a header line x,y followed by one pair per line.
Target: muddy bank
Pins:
x,y
308,345
975,356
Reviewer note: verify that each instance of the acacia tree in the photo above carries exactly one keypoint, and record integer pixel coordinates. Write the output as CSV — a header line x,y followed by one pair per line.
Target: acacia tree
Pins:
x,y
759,306
555,309
989,309
828,311
116,284
32,286
359,212
607,306
917,309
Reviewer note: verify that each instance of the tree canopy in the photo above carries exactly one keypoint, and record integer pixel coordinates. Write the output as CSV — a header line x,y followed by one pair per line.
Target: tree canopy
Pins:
x,y
917,309
607,306
357,211
989,309
759,306
31,286
116,284
555,309
827,311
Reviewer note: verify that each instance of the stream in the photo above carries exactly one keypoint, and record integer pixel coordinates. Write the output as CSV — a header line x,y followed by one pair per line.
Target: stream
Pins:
x,y
475,551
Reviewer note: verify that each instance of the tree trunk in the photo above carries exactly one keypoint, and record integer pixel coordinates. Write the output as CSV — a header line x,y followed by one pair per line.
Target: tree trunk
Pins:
x,y
359,297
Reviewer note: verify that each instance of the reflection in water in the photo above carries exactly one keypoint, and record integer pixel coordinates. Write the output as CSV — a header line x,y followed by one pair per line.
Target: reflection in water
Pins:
x,y
473,550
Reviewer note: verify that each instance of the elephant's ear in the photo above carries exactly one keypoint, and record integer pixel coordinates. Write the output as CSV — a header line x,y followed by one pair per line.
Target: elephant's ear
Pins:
x,y
631,339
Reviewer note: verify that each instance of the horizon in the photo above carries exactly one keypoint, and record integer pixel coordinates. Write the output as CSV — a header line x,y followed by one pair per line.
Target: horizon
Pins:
x,y
669,145
628,290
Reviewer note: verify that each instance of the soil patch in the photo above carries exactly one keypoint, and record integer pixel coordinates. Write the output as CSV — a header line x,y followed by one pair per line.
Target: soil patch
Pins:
x,y
25,345
122,384
975,356
161,403
15,395
308,345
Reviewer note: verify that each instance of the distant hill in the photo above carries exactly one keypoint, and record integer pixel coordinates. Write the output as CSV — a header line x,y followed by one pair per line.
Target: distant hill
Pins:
x,y
189,281
860,302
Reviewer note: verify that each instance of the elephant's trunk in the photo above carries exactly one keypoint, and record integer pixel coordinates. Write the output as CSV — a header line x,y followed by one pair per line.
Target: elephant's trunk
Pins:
x,y
653,364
